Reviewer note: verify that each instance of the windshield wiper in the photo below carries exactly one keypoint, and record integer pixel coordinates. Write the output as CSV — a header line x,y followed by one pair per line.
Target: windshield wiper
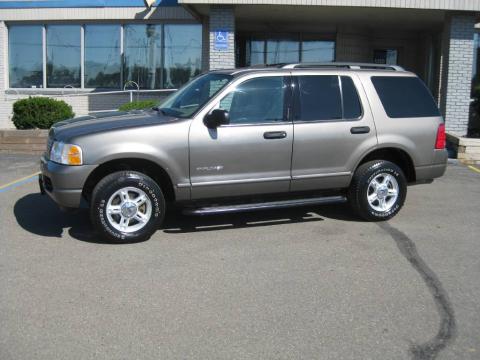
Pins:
x,y
169,111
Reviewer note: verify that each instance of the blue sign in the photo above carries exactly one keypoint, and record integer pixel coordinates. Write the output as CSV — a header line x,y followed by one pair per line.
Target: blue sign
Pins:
x,y
221,40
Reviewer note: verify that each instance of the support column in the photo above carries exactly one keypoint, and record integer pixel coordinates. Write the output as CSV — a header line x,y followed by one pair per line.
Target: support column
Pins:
x,y
222,53
456,72
5,107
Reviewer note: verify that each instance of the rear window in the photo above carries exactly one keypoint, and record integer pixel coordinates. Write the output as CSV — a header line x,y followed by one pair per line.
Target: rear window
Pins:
x,y
405,97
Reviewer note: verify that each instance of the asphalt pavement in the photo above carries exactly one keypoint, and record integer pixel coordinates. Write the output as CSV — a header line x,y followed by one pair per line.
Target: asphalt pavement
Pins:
x,y
305,283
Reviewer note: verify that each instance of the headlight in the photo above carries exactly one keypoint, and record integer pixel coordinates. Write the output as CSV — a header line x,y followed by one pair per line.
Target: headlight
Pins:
x,y
66,154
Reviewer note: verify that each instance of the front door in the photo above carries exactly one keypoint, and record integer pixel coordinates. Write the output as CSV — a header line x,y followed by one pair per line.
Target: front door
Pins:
x,y
333,127
251,154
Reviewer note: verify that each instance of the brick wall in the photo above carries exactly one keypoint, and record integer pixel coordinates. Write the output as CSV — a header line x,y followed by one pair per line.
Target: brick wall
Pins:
x,y
222,18
457,63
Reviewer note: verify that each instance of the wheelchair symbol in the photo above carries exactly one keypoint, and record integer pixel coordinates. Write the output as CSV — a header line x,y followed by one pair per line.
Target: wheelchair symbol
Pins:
x,y
221,36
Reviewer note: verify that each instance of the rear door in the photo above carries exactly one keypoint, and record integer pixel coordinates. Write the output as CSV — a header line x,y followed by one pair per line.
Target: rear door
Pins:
x,y
333,128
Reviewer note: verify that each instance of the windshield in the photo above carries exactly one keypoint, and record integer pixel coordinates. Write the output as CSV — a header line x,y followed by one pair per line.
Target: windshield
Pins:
x,y
190,98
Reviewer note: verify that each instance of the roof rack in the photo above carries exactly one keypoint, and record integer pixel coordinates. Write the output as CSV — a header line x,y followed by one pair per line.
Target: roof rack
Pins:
x,y
346,65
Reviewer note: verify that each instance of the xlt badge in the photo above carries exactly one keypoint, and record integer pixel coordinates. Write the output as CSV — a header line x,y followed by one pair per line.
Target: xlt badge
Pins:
x,y
210,168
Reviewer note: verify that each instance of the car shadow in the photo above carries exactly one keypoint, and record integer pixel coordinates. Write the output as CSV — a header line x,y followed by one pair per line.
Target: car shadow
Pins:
x,y
39,215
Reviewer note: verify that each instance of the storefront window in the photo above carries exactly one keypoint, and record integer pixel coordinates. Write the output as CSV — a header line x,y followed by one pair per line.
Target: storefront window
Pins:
x,y
183,51
25,56
155,56
385,56
257,52
272,51
63,56
318,51
143,60
280,51
102,56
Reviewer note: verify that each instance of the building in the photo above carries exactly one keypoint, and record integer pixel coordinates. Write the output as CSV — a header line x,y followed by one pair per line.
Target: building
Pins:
x,y
88,51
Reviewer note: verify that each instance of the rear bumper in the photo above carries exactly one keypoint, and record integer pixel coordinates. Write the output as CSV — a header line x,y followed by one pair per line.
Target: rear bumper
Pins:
x,y
64,184
435,170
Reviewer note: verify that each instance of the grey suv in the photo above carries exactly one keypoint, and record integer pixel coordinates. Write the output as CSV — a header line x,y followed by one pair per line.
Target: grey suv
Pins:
x,y
255,138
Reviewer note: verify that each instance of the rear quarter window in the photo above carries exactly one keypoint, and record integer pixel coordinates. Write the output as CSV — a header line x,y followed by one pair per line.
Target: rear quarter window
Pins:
x,y
405,97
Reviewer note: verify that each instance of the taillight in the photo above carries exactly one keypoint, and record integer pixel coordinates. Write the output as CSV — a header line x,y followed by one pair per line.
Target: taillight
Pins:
x,y
441,140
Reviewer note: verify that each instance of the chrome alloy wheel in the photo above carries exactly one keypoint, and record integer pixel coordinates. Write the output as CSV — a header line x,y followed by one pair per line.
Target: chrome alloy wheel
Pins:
x,y
129,209
383,192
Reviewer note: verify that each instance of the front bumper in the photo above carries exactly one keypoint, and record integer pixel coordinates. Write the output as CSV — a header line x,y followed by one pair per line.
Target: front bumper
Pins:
x,y
63,183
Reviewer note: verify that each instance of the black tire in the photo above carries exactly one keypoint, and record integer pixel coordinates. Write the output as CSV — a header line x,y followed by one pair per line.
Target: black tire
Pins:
x,y
107,187
359,188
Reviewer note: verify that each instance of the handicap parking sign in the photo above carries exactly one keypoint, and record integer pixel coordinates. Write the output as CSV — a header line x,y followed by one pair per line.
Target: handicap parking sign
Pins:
x,y
221,40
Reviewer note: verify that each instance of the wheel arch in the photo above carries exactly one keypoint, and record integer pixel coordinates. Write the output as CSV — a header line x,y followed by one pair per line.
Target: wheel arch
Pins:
x,y
147,167
395,155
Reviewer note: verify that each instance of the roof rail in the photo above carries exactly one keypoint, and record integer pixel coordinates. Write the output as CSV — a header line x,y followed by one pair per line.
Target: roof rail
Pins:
x,y
347,65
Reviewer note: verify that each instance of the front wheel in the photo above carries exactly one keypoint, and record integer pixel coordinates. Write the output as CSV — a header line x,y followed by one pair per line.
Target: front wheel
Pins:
x,y
378,190
127,206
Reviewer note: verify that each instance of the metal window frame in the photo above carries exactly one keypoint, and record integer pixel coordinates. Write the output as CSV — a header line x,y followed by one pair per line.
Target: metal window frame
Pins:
x,y
121,24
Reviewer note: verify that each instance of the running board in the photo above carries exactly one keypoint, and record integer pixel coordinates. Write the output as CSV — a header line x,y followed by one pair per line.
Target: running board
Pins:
x,y
282,204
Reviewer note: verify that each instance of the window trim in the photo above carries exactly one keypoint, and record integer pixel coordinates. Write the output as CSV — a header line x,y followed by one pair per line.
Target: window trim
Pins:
x,y
296,98
287,102
121,24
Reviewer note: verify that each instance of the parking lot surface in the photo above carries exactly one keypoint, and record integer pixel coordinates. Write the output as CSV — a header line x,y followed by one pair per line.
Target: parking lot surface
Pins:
x,y
305,283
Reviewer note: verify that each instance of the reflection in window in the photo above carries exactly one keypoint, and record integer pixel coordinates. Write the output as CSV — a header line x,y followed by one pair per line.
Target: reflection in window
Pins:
x,y
143,61
289,51
318,99
279,51
63,56
183,50
25,56
318,51
102,56
258,100
257,52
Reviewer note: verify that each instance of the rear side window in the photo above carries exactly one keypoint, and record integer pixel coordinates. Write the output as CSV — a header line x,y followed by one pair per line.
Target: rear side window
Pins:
x,y
351,103
326,98
318,98
405,97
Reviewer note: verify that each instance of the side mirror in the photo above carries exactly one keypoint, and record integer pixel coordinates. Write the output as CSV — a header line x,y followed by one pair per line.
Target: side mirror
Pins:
x,y
216,118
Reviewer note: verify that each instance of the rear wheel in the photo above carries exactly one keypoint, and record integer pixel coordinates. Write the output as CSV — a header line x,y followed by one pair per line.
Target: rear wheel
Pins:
x,y
378,190
127,206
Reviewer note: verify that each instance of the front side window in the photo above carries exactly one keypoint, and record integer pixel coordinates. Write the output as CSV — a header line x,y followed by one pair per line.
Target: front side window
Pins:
x,y
143,61
189,99
405,97
259,100
25,56
318,98
102,56
63,56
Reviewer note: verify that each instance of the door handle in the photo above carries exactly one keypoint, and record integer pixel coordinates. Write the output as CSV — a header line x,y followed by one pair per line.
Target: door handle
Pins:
x,y
360,130
274,135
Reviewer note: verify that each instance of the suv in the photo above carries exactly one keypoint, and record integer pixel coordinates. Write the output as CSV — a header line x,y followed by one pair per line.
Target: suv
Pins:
x,y
255,138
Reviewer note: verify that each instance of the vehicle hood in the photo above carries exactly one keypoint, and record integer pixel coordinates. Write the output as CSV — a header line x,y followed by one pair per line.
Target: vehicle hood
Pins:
x,y
92,124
